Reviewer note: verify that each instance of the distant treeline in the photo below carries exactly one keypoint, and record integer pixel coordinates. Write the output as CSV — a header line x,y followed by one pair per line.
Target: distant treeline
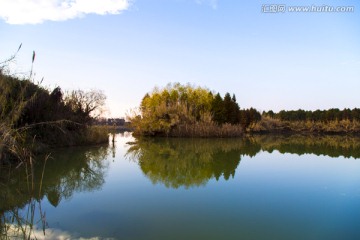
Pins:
x,y
110,121
333,114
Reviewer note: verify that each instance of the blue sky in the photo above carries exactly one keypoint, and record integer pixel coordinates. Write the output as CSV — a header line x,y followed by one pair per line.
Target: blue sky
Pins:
x,y
125,48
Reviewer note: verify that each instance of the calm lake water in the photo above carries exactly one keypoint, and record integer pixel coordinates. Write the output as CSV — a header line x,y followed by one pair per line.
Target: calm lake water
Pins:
x,y
273,187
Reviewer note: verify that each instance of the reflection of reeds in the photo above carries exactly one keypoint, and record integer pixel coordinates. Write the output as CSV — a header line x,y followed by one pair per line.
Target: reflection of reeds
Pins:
x,y
19,223
328,145
77,169
20,226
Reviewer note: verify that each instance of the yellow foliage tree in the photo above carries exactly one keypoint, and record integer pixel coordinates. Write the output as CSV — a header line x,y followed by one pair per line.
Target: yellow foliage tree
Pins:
x,y
176,104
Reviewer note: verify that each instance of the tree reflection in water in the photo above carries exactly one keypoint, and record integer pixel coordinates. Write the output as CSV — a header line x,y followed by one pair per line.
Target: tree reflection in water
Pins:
x,y
193,162
327,145
22,190
189,162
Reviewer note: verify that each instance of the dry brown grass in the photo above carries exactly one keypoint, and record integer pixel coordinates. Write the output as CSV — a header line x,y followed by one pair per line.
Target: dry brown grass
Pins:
x,y
332,127
206,130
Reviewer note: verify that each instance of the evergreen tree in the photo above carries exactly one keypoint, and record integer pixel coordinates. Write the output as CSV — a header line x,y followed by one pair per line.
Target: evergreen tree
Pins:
x,y
234,111
228,108
231,109
217,109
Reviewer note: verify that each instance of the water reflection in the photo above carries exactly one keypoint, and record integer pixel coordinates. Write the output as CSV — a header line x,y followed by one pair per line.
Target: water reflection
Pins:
x,y
77,171
189,162
38,234
58,178
332,146
175,163
193,162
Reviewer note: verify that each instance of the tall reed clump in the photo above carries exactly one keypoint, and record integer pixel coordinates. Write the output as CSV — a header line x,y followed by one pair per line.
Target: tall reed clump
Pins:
x,y
33,118
12,140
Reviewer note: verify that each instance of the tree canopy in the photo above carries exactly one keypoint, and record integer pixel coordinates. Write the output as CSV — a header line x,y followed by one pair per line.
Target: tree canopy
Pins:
x,y
164,110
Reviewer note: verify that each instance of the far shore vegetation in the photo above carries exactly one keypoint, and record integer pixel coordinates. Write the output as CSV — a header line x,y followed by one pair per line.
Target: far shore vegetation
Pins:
x,y
188,111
